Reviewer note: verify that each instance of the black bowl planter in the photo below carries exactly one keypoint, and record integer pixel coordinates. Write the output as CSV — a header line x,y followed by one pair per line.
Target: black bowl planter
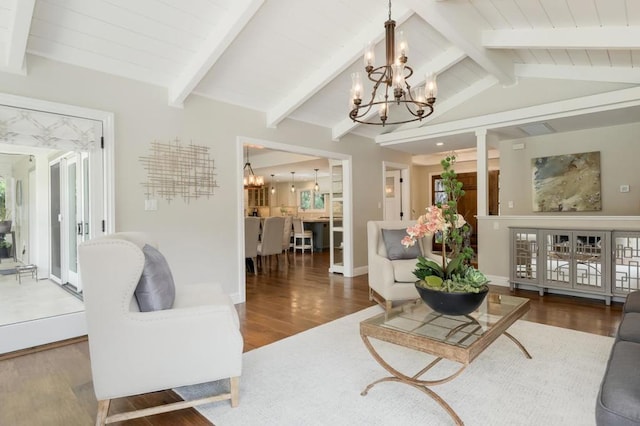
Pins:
x,y
452,303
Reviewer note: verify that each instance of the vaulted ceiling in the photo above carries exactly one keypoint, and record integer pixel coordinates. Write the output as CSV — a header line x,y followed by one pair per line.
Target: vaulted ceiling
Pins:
x,y
500,63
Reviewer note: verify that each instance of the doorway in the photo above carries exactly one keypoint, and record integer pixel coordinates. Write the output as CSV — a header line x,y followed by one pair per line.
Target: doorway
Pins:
x,y
468,203
342,258
396,187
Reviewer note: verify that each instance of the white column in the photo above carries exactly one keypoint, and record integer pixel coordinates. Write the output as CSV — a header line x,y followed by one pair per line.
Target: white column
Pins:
x,y
482,174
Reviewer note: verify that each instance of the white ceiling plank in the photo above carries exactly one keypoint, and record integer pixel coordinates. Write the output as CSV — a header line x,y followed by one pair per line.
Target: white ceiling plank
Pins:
x,y
18,33
453,101
558,13
611,38
460,25
584,13
611,12
585,73
324,75
559,56
535,13
438,65
618,99
633,13
213,47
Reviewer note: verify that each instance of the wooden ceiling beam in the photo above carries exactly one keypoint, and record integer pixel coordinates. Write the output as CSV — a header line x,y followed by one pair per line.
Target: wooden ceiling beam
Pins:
x,y
212,49
460,25
18,34
582,73
609,38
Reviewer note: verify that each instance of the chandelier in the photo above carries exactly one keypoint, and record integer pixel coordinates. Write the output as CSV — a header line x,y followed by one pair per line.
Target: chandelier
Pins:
x,y
391,80
250,179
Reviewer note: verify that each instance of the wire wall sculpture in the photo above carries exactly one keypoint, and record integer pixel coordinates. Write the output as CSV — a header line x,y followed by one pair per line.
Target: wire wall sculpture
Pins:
x,y
176,170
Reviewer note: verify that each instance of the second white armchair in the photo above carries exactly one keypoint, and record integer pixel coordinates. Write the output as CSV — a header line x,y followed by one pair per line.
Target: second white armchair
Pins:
x,y
391,274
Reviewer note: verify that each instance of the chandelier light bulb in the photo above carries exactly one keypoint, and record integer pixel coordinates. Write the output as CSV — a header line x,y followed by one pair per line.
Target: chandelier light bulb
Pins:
x,y
403,46
369,55
431,87
356,87
398,79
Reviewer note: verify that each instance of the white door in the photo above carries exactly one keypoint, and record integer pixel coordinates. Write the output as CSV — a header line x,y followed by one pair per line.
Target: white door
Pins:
x,y
392,195
336,218
73,216
32,248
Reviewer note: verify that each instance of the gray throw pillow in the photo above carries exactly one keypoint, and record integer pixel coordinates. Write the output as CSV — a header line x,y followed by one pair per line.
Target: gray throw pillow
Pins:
x,y
393,243
156,289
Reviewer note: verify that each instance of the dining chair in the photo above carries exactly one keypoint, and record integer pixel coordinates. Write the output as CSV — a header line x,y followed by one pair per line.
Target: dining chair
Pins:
x,y
302,239
271,242
287,235
251,240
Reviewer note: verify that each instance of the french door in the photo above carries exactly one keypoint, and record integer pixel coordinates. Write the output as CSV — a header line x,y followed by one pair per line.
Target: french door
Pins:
x,y
71,214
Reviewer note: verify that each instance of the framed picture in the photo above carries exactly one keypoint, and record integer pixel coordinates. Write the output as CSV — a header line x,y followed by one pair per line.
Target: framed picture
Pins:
x,y
567,183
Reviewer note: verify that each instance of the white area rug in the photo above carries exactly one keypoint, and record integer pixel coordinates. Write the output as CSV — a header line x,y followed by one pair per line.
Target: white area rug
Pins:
x,y
315,378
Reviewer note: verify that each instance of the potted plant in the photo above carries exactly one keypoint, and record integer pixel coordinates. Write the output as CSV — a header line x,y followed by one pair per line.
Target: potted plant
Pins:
x,y
5,248
454,286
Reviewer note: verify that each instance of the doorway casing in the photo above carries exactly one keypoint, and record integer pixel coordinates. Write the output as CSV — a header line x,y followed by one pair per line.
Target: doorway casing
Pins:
x,y
46,330
348,270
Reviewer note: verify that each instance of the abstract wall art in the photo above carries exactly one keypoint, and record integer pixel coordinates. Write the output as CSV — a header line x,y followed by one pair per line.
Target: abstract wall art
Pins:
x,y
567,183
176,170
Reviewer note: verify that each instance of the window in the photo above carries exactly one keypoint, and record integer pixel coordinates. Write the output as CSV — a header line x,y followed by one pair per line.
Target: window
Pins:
x,y
310,200
439,194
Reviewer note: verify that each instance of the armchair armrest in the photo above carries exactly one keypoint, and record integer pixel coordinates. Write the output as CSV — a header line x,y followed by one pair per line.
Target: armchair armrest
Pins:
x,y
380,272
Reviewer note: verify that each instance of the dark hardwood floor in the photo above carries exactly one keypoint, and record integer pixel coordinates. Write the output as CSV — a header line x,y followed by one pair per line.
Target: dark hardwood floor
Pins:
x,y
53,387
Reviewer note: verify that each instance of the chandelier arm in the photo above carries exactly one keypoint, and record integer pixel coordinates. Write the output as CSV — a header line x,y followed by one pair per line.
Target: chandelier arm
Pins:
x,y
407,67
381,71
428,112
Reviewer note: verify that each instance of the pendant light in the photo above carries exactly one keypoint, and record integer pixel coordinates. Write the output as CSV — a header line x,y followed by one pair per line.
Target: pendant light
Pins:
x,y
273,188
316,187
293,187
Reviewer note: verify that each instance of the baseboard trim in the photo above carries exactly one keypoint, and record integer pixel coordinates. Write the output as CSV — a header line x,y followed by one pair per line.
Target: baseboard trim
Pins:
x,y
360,270
498,280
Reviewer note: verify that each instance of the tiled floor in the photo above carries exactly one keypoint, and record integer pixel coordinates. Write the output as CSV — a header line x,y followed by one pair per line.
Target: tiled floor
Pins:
x,y
32,299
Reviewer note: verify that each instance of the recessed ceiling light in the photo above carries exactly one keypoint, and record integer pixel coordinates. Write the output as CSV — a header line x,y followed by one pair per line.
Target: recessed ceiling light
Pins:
x,y
439,143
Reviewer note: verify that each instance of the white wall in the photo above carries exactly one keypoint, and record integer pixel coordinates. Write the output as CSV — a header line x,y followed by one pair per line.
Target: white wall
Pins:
x,y
199,239
619,152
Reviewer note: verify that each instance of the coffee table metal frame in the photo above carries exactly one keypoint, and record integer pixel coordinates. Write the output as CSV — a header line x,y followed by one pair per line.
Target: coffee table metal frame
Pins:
x,y
469,339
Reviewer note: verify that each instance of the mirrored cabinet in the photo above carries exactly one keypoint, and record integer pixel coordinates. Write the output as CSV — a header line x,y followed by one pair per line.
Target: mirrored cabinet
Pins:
x,y
573,260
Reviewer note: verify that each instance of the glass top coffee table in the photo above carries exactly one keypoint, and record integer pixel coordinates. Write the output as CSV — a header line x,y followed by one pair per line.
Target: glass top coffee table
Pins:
x,y
456,338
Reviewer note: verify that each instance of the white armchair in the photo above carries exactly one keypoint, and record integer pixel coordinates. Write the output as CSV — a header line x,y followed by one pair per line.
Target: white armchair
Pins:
x,y
198,340
392,280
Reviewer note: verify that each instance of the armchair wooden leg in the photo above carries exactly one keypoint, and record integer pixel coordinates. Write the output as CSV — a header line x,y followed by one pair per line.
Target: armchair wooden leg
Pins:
x,y
235,391
103,410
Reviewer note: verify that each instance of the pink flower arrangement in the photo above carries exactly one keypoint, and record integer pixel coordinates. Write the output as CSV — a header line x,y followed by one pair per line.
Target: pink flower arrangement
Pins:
x,y
432,221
